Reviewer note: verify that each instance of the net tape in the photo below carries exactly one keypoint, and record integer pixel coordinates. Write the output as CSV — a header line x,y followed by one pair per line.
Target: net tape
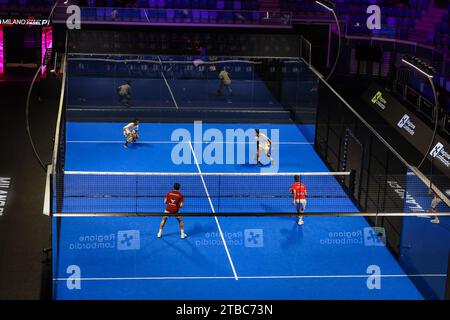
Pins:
x,y
205,193
231,185
241,194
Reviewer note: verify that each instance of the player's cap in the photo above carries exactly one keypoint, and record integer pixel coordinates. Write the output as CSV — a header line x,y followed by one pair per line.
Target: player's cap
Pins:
x,y
257,131
297,178
176,186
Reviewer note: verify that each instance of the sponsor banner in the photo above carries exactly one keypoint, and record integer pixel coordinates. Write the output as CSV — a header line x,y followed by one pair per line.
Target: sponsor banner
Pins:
x,y
5,184
23,22
414,130
406,124
441,153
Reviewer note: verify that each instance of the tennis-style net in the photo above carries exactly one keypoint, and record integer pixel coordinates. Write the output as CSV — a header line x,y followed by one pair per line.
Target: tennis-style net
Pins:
x,y
207,193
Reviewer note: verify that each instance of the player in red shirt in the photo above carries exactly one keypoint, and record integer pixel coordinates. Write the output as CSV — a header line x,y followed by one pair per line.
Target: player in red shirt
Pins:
x,y
298,189
174,201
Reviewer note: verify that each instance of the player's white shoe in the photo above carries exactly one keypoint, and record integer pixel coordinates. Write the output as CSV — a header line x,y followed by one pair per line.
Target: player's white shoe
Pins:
x,y
301,222
183,235
159,235
435,220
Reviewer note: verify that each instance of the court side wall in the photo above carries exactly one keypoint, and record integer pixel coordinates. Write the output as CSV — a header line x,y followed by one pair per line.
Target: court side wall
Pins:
x,y
419,246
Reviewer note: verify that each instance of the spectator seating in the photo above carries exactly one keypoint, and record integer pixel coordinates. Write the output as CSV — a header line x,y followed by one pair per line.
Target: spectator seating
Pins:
x,y
441,35
250,5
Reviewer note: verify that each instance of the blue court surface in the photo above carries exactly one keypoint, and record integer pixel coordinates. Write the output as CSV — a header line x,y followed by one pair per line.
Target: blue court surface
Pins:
x,y
223,257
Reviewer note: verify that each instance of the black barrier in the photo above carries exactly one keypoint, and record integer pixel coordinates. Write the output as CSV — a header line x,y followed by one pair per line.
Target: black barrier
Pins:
x,y
349,139
414,130
344,142
195,41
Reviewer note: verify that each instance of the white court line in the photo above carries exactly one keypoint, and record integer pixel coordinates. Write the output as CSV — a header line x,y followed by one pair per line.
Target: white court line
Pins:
x,y
214,212
172,142
167,84
255,277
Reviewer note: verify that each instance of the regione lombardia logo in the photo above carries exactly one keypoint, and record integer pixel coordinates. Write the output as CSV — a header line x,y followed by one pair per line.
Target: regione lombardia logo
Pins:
x,y
128,240
403,121
437,148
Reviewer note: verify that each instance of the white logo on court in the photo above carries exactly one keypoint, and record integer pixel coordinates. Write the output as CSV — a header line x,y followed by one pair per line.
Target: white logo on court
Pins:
x,y
254,238
375,236
128,240
211,147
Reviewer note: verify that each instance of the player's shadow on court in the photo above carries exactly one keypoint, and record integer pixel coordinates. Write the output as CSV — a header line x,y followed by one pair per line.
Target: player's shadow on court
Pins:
x,y
294,235
254,165
197,229
247,165
138,145
197,253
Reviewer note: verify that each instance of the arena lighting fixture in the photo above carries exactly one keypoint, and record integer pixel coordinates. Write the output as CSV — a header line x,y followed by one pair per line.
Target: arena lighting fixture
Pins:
x,y
326,4
53,9
419,65
428,71
330,7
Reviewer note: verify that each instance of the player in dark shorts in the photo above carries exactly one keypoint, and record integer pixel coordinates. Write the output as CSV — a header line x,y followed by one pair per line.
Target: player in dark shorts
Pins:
x,y
174,201
124,92
298,189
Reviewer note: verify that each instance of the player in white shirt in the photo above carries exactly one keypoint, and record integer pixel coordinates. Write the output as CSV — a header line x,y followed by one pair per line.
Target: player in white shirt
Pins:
x,y
130,131
262,143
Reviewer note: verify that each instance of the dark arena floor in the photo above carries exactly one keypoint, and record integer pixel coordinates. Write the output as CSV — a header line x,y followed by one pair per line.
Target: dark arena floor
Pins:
x,y
24,234
220,152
